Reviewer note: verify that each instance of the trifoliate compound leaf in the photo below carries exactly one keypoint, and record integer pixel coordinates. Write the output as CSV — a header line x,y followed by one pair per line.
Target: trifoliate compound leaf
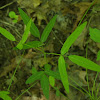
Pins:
x,y
98,55
56,74
34,77
52,81
25,35
32,44
71,39
34,30
7,34
81,61
63,73
48,29
94,34
45,85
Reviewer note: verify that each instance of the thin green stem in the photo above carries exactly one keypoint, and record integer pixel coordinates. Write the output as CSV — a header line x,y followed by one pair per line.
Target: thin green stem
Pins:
x,y
25,91
86,12
57,38
98,98
80,86
44,54
54,54
97,90
61,93
94,83
77,88
15,72
87,71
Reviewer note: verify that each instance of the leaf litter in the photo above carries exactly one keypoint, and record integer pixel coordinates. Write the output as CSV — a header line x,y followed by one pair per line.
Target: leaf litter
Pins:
x,y
70,13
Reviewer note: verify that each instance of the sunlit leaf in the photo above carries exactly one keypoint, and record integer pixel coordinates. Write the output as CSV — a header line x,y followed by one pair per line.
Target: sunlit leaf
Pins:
x,y
45,85
25,35
32,44
71,39
34,77
52,81
4,92
48,29
34,30
81,61
63,73
4,96
94,34
12,14
7,34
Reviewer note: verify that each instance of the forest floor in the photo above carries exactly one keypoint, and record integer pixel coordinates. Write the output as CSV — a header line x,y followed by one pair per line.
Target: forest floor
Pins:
x,y
69,12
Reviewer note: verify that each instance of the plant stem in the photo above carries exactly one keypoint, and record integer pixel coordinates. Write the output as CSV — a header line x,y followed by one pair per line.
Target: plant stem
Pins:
x,y
87,71
86,12
61,93
54,54
15,72
80,87
25,91
97,90
94,83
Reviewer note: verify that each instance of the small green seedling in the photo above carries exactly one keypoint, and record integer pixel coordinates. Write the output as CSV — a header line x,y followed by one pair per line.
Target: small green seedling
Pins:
x,y
44,79
13,16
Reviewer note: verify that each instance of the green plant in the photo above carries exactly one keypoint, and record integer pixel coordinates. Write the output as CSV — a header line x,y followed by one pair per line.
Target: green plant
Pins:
x,y
4,95
47,76
13,16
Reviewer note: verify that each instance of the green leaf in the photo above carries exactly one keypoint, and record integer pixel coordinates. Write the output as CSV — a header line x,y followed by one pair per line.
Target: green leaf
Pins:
x,y
98,55
52,81
57,93
4,92
25,35
94,34
71,39
47,67
14,21
34,77
34,30
4,96
63,73
53,74
45,85
12,14
32,44
48,29
34,71
81,61
7,34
